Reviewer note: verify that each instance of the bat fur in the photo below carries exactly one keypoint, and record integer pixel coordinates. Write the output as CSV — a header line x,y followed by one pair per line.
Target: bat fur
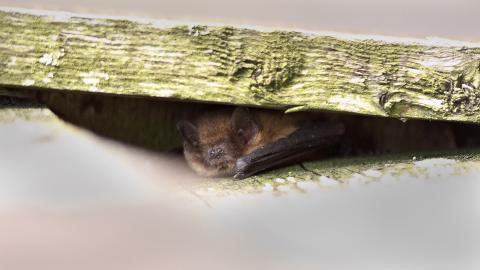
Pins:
x,y
243,141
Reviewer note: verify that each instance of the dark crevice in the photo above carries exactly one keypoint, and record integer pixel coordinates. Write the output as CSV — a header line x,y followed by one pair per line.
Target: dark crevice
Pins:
x,y
15,102
150,123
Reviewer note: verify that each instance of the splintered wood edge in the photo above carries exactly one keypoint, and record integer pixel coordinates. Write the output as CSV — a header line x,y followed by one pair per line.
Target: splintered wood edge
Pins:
x,y
433,78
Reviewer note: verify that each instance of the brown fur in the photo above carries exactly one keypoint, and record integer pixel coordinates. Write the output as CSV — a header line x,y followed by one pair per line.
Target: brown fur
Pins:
x,y
214,128
370,135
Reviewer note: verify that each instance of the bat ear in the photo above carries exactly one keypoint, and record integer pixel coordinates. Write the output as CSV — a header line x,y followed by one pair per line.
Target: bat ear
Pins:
x,y
189,132
244,125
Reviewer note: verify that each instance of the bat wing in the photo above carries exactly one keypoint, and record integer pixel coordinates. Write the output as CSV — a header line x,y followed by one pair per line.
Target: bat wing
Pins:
x,y
317,138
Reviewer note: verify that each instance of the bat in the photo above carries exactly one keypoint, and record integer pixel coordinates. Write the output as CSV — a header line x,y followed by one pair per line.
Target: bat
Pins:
x,y
241,142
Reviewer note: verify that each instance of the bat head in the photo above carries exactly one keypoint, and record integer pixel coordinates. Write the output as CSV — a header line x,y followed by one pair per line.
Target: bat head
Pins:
x,y
214,142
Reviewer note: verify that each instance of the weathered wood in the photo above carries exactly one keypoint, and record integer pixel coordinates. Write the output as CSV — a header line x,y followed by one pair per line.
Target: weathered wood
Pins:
x,y
277,69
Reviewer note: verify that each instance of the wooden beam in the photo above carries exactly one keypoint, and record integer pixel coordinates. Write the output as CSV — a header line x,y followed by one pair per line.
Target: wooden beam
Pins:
x,y
277,69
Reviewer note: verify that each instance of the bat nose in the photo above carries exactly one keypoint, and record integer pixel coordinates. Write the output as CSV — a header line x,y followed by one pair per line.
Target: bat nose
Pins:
x,y
216,152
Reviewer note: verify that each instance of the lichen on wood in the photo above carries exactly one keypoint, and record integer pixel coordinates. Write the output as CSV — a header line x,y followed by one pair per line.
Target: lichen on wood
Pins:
x,y
287,70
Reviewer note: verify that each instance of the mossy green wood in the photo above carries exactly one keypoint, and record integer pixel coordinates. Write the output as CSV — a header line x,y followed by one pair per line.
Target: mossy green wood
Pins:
x,y
278,69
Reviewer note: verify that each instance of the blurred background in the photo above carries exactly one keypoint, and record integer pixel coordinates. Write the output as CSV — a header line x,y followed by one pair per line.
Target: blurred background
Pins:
x,y
72,200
